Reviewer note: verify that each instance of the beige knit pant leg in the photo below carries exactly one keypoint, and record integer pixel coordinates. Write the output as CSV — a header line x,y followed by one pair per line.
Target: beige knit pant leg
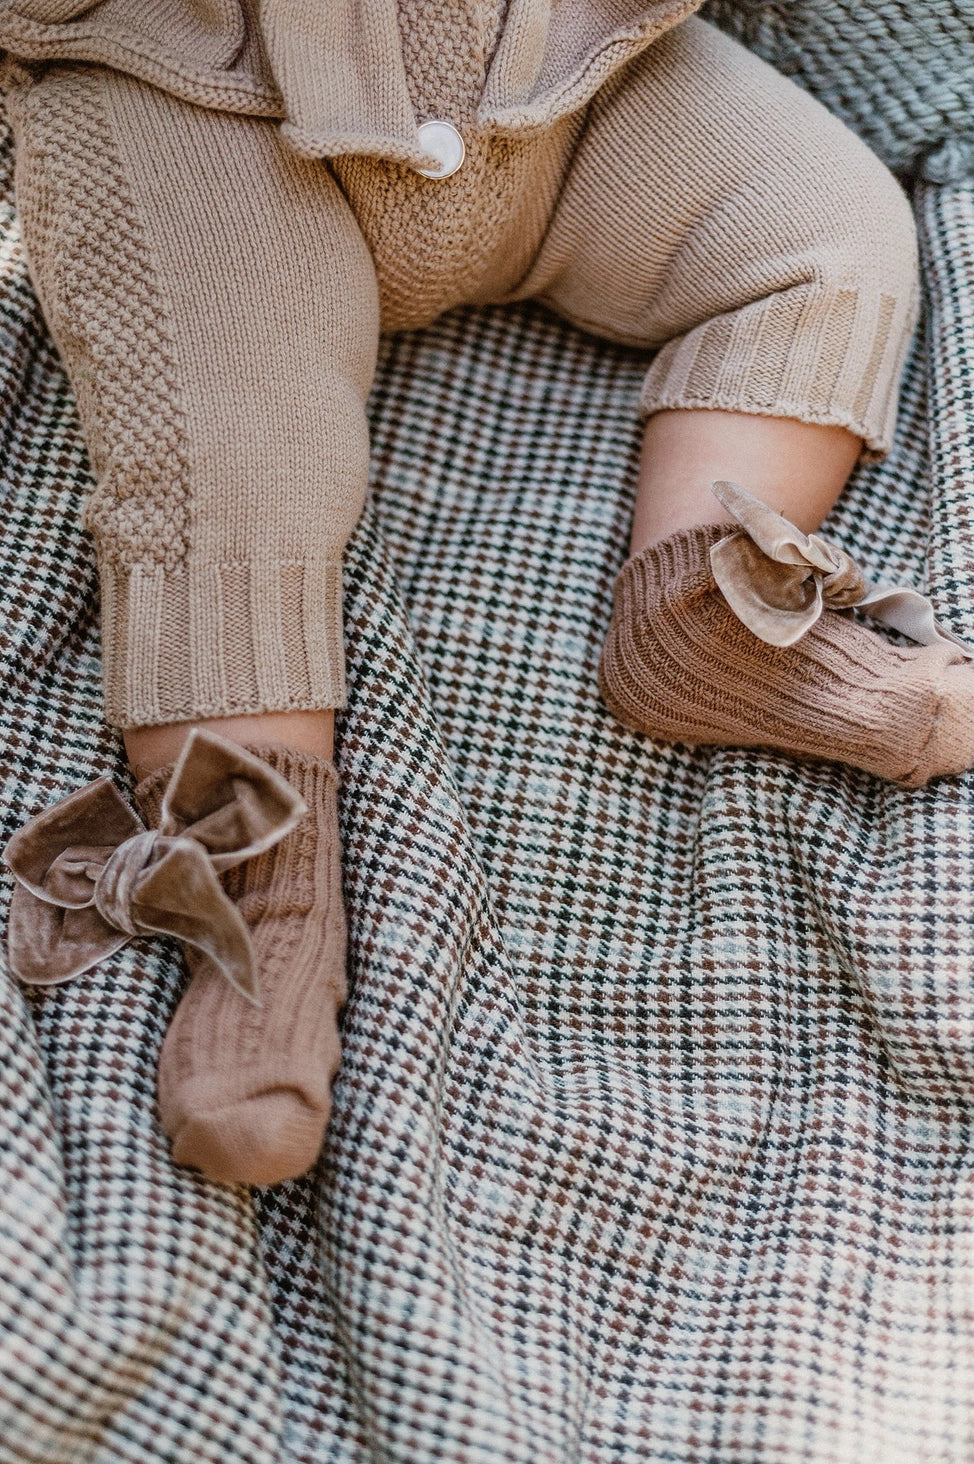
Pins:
x,y
216,307
716,211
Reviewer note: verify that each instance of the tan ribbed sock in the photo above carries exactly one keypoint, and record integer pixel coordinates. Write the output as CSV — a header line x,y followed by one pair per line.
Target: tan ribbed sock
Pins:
x,y
244,1091
680,666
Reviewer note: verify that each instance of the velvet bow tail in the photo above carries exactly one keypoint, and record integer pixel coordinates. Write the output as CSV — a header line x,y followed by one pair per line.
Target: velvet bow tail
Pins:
x,y
778,580
90,876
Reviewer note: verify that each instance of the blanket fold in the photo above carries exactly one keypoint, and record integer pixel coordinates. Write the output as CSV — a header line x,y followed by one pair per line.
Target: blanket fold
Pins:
x,y
652,1135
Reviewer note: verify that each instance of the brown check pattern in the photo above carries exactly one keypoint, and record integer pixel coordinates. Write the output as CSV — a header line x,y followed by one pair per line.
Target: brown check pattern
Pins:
x,y
653,1136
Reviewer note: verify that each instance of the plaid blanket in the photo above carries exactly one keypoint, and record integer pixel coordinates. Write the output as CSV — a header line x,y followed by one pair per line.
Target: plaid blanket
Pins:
x,y
653,1136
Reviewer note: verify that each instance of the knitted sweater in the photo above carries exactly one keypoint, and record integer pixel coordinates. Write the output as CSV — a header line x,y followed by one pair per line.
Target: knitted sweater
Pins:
x,y
335,73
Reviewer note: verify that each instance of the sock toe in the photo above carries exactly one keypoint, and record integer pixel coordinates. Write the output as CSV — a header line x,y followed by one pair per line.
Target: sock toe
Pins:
x,y
950,748
260,1140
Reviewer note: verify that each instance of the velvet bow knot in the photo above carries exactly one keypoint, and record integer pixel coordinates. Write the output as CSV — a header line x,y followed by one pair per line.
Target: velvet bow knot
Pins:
x,y
90,876
778,580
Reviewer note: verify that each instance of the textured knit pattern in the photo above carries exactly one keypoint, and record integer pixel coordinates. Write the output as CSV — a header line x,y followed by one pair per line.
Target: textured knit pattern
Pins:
x,y
679,665
652,1136
111,319
275,351
244,1091
702,205
336,74
437,243
446,49
901,74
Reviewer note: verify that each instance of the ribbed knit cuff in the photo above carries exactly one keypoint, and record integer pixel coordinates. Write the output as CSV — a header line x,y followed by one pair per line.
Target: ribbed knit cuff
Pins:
x,y
315,779
832,359
221,640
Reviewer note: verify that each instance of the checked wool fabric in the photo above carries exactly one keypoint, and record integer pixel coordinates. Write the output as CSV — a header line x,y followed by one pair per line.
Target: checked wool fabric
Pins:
x,y
653,1137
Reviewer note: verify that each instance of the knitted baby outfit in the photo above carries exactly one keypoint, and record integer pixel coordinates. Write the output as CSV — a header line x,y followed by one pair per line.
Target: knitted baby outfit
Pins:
x,y
472,237
340,74
218,299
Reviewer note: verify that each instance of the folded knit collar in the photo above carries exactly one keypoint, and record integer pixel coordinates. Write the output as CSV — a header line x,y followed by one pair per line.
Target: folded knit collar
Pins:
x,y
342,77
333,70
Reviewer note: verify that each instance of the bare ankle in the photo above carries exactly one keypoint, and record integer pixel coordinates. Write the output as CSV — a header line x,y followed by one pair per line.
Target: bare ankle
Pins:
x,y
148,748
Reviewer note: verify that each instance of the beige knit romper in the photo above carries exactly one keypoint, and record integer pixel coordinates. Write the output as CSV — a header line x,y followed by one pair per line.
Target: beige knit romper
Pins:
x,y
217,299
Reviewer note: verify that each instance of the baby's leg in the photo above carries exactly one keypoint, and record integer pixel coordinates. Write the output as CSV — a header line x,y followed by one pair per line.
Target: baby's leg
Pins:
x,y
717,212
216,307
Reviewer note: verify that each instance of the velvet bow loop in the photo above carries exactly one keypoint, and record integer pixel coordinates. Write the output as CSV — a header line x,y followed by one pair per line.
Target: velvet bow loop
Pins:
x,y
778,580
90,876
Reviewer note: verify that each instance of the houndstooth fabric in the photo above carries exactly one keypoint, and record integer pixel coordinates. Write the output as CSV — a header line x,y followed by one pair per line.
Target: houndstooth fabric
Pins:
x,y
652,1140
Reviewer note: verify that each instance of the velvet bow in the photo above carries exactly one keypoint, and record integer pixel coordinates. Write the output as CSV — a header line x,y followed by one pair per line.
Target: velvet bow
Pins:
x,y
778,580
90,876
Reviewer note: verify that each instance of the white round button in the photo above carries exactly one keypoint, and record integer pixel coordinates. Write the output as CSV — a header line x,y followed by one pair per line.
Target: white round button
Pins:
x,y
445,143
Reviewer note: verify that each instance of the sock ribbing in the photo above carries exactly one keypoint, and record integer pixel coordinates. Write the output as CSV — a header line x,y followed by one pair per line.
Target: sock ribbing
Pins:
x,y
244,1092
680,666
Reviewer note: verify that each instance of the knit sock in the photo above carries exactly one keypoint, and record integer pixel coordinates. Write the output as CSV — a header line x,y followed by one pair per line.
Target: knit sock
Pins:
x,y
244,1091
679,665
